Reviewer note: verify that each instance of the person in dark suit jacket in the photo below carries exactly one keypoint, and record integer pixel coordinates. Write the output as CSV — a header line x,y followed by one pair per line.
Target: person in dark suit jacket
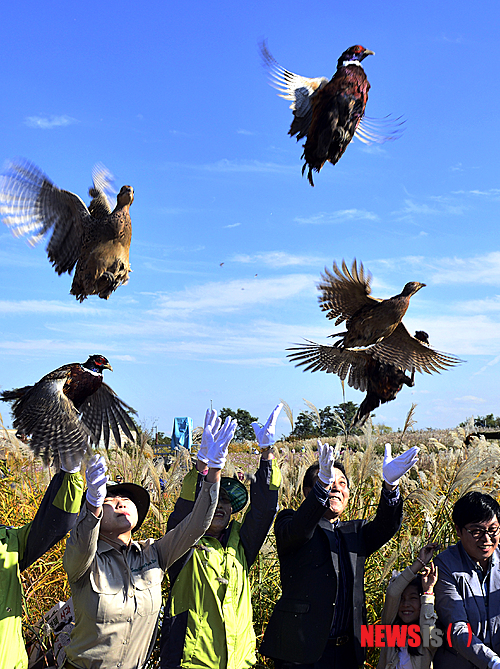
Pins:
x,y
317,621
468,587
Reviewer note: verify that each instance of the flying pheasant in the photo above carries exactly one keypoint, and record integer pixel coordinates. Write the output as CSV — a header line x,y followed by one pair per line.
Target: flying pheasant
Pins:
x,y
379,370
345,295
95,239
329,113
70,408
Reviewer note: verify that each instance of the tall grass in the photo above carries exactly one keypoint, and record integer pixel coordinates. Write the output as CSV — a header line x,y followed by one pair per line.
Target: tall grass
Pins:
x,y
447,469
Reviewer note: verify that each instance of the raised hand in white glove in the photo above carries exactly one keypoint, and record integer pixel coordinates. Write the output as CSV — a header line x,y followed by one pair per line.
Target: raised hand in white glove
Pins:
x,y
210,428
70,463
394,468
217,451
96,481
326,459
265,435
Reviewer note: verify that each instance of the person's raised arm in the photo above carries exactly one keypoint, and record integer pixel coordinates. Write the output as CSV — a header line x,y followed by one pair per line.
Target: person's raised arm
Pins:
x,y
180,539
295,528
263,490
194,479
56,514
399,583
82,543
395,468
389,516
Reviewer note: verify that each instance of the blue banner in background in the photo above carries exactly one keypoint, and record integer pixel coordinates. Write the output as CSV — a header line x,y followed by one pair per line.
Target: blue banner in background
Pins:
x,y
182,433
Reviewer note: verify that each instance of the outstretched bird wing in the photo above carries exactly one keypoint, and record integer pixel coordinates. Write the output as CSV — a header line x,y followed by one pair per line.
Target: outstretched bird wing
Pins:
x,y
44,412
300,90
345,291
104,410
406,352
101,192
33,206
349,363
379,130
400,351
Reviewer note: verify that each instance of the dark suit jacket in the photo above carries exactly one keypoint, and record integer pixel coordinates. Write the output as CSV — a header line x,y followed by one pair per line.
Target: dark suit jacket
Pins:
x,y
302,619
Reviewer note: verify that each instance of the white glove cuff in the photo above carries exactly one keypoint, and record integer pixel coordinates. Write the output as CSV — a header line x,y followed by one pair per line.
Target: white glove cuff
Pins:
x,y
396,482
76,470
325,479
202,456
96,499
216,463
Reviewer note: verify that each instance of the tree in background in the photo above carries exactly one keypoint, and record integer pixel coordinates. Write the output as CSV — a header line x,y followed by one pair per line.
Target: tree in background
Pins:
x,y
162,438
487,421
327,422
484,421
245,420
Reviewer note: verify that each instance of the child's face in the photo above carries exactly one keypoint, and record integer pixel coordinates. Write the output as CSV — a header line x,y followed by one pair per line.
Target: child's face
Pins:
x,y
409,606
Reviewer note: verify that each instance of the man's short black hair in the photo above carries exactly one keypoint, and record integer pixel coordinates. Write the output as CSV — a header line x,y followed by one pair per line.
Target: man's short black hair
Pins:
x,y
475,507
312,474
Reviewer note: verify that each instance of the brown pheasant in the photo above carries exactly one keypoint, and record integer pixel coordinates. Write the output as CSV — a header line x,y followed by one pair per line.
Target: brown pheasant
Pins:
x,y
379,370
95,239
345,295
70,408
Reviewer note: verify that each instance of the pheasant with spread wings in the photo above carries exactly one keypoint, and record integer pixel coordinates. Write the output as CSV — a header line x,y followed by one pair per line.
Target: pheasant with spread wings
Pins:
x,y
379,370
95,239
70,408
346,296
329,113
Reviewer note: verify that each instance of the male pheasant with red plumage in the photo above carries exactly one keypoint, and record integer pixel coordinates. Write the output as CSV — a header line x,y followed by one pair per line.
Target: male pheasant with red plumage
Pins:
x,y
329,113
70,408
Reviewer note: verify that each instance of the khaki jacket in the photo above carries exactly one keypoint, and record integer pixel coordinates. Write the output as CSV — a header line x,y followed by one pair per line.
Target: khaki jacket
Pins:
x,y
117,592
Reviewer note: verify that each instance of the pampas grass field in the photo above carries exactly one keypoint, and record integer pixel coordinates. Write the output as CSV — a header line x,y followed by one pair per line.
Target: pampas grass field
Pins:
x,y
447,469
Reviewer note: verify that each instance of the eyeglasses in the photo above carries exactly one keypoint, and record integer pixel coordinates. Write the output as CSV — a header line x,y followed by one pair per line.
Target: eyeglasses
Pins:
x,y
477,533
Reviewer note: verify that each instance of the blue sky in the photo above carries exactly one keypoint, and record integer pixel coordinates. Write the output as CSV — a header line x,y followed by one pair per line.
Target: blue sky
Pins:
x,y
173,99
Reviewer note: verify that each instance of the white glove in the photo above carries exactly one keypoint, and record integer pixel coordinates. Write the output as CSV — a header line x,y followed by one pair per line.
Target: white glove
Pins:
x,y
210,428
217,451
496,663
394,469
265,435
70,462
96,481
326,459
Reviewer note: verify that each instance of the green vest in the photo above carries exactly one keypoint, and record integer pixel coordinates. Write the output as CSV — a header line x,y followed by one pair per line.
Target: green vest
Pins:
x,y
215,590
12,651
59,508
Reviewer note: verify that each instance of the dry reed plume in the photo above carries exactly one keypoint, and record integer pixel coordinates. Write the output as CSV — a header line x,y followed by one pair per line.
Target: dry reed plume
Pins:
x,y
447,469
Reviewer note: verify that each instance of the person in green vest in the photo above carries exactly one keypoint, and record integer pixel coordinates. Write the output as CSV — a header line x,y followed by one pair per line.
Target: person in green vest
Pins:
x,y
20,547
207,620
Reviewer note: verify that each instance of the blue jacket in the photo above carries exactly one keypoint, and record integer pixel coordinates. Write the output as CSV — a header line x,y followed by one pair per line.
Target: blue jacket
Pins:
x,y
460,601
